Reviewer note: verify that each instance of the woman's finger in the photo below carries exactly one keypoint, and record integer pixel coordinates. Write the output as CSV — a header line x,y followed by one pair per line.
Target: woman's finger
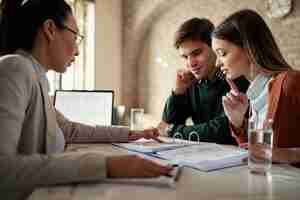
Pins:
x,y
231,104
151,133
153,168
225,103
234,100
244,145
233,87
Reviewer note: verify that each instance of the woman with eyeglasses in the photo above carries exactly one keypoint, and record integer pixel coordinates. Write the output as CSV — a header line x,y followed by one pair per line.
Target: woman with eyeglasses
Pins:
x,y
245,46
37,36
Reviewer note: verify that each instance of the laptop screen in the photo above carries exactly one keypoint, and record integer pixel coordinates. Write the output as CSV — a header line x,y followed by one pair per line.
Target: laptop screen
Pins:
x,y
89,107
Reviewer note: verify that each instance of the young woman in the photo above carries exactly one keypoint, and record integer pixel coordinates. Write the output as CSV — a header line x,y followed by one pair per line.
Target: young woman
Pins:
x,y
37,36
245,46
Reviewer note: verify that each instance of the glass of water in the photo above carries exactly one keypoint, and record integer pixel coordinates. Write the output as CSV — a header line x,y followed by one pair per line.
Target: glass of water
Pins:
x,y
260,148
137,119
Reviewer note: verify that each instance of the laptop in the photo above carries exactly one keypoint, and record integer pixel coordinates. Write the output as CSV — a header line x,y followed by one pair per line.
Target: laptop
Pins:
x,y
92,107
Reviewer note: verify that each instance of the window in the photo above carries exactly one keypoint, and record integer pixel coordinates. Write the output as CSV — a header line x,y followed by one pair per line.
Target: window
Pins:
x,y
81,75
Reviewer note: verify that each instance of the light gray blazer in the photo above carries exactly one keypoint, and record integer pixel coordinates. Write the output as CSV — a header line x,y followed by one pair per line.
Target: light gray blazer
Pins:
x,y
28,153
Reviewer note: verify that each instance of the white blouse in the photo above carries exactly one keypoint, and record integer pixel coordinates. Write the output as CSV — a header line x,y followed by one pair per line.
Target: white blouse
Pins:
x,y
258,94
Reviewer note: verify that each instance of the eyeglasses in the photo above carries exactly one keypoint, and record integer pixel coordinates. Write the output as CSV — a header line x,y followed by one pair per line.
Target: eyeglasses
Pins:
x,y
79,37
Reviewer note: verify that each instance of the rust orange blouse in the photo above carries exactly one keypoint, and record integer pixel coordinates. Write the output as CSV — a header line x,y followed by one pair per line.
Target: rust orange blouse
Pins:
x,y
284,108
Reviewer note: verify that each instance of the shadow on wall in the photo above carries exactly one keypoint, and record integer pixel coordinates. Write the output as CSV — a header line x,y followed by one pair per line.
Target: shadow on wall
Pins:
x,y
134,45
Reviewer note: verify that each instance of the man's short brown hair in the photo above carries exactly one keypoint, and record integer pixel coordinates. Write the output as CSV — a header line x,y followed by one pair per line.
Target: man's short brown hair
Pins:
x,y
194,29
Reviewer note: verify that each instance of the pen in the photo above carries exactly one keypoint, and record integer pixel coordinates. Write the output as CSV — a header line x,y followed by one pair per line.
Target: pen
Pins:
x,y
171,175
176,173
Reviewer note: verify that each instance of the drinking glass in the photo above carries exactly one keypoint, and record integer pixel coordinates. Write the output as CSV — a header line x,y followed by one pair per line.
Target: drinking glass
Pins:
x,y
137,119
260,148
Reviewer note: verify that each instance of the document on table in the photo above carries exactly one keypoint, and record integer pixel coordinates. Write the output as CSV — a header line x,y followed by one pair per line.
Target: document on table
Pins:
x,y
205,156
202,156
152,146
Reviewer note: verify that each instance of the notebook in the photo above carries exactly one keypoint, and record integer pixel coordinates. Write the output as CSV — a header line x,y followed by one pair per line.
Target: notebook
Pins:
x,y
93,107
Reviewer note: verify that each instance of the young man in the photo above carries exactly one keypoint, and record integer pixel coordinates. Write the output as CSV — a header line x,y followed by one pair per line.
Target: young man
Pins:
x,y
199,88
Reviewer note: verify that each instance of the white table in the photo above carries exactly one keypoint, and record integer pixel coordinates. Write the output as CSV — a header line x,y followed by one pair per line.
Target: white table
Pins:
x,y
227,184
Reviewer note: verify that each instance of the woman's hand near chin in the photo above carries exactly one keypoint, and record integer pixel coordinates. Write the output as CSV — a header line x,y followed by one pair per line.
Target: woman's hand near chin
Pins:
x,y
130,166
235,105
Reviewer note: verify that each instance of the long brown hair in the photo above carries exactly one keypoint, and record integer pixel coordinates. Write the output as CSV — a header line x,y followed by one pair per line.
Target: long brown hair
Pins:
x,y
248,30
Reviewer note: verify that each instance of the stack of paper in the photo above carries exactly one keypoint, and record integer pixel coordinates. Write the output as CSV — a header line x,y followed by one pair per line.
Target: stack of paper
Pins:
x,y
202,156
152,146
205,156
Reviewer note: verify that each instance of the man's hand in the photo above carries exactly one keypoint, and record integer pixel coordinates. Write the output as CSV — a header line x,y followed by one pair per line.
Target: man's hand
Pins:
x,y
163,128
150,133
184,79
130,166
